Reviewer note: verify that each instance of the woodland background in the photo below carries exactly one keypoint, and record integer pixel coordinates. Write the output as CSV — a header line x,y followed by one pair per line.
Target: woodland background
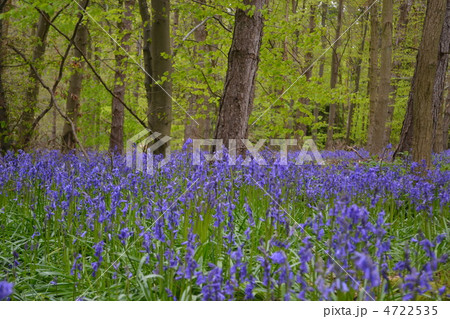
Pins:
x,y
340,72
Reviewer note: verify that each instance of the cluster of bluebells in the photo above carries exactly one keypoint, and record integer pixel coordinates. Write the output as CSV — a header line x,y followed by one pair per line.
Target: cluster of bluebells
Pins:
x,y
417,280
219,232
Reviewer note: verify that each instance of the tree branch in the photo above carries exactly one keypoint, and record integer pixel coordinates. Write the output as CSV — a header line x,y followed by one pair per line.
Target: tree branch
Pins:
x,y
60,11
195,28
98,75
61,64
52,96
221,23
211,6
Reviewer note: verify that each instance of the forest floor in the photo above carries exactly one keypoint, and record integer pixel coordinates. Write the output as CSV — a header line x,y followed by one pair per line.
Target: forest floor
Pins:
x,y
353,229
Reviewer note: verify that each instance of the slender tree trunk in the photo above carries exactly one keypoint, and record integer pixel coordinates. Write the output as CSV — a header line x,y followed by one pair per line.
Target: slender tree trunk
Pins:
x,y
160,113
68,141
203,109
400,38
32,94
298,125
380,112
427,63
4,118
237,99
357,77
335,61
117,121
439,84
323,39
373,71
146,48
309,54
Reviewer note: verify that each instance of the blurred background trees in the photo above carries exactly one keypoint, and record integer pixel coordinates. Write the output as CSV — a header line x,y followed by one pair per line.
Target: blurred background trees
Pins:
x,y
342,72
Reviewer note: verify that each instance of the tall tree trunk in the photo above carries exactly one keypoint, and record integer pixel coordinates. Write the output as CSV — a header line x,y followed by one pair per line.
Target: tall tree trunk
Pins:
x,y
4,118
397,67
407,132
323,39
32,94
237,99
298,125
116,136
146,48
446,122
75,84
357,77
405,144
380,112
335,61
373,70
204,127
439,84
160,113
427,63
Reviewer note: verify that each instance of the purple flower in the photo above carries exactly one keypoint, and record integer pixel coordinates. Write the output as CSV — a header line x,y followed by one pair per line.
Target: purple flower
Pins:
x,y
370,270
212,290
249,289
95,266
124,234
6,289
278,257
98,250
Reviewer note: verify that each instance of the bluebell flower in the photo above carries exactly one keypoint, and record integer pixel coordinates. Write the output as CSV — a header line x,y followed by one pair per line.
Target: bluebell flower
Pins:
x,y
99,250
6,289
124,234
369,269
278,257
249,289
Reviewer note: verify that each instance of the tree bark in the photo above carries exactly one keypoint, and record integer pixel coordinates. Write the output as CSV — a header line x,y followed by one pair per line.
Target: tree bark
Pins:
x,y
203,111
357,78
68,141
439,85
405,144
427,63
239,90
407,133
335,62
380,112
397,67
117,121
160,112
323,39
146,49
373,71
32,94
4,117
446,123
298,125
